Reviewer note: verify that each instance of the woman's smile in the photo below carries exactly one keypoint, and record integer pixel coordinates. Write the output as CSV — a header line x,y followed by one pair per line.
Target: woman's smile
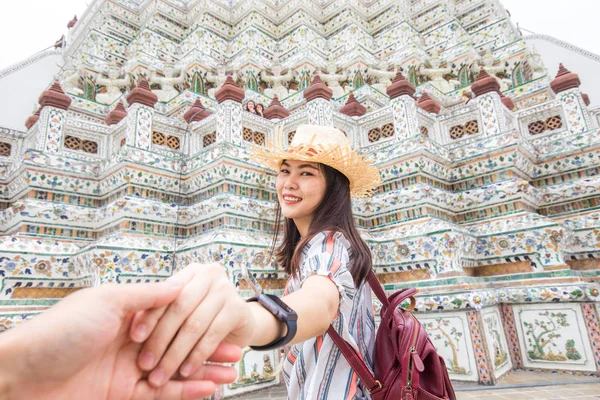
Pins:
x,y
290,199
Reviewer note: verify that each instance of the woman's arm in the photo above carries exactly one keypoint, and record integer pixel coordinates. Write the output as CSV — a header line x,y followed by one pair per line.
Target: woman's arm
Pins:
x,y
316,304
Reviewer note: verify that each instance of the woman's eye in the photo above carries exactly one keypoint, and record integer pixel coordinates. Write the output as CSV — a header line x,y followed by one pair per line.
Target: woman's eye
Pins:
x,y
306,174
284,171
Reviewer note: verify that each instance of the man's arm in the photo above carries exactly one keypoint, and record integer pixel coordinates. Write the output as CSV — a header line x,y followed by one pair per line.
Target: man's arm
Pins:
x,y
13,352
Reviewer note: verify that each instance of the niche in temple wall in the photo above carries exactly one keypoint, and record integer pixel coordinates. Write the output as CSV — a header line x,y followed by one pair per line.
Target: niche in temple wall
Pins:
x,y
197,83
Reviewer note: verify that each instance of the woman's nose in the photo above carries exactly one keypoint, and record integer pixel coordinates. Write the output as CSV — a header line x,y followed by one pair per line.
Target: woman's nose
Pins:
x,y
291,182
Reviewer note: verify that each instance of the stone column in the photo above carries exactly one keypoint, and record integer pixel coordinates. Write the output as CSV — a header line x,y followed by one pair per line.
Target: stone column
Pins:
x,y
566,86
53,116
483,360
196,113
487,91
276,112
404,109
319,109
140,114
229,114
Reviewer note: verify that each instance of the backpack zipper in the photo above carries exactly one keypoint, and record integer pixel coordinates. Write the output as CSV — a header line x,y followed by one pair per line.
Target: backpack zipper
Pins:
x,y
413,350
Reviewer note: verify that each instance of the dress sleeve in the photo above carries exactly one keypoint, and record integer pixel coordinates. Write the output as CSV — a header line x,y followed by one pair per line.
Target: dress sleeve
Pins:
x,y
329,255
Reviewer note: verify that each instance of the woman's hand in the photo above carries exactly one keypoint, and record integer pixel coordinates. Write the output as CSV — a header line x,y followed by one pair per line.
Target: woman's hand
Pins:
x,y
185,333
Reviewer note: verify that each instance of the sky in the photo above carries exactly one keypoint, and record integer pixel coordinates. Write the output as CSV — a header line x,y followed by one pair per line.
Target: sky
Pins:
x,y
30,26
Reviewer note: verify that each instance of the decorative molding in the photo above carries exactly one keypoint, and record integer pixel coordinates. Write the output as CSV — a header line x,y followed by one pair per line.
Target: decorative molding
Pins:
x,y
28,61
566,45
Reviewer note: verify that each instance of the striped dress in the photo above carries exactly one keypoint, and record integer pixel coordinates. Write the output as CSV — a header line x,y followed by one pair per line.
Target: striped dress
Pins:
x,y
316,369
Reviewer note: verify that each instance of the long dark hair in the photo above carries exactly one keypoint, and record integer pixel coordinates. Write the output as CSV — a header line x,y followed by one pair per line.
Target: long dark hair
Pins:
x,y
334,214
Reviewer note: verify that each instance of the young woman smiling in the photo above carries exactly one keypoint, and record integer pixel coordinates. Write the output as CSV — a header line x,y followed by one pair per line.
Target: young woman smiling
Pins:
x,y
327,262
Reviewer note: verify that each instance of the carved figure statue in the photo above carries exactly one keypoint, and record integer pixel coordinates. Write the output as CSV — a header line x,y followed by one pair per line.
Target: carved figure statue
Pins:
x,y
167,83
276,80
218,79
332,79
537,65
436,75
487,63
71,81
383,76
267,366
113,85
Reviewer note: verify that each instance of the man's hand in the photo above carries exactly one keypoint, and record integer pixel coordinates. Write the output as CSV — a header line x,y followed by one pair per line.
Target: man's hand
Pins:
x,y
81,349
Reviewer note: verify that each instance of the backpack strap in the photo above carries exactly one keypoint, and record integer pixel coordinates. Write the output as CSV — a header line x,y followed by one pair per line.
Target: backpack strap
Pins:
x,y
377,288
353,358
357,364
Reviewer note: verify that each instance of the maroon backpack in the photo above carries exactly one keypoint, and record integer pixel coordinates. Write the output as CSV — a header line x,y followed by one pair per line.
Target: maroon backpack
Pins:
x,y
407,366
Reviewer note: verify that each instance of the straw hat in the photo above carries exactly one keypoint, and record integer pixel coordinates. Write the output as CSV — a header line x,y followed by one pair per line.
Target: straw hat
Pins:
x,y
325,145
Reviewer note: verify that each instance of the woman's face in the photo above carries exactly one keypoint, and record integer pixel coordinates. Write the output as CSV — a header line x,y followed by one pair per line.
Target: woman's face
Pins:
x,y
260,108
251,106
300,188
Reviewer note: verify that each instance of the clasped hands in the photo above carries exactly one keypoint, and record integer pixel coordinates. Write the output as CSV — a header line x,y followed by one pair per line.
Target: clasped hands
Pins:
x,y
140,341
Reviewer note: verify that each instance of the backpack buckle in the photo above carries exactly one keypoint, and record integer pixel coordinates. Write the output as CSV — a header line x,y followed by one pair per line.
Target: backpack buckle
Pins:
x,y
375,388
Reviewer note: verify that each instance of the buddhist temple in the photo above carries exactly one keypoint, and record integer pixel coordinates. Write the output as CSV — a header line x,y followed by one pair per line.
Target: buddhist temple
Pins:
x,y
125,155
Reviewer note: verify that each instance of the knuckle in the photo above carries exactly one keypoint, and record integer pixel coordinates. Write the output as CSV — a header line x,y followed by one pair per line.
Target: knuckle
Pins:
x,y
178,306
201,353
194,326
209,338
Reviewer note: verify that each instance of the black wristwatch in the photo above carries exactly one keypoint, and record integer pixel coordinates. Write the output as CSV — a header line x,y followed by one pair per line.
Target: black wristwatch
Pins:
x,y
275,306
283,313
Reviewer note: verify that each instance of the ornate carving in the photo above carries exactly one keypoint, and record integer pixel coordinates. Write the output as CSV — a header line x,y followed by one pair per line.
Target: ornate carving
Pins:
x,y
550,124
230,91
564,80
374,135
400,86
173,142
457,131
158,138
72,143
197,112
5,149
317,90
142,94
209,139
276,110
353,108
54,97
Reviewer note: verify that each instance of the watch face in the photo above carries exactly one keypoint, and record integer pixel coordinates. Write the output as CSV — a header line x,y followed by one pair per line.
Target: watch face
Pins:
x,y
283,306
277,307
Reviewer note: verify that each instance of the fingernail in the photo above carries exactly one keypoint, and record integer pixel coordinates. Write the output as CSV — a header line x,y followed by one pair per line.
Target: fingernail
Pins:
x,y
146,360
185,370
157,376
140,333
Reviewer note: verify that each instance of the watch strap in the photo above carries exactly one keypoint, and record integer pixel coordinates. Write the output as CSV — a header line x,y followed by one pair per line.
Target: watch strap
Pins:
x,y
290,324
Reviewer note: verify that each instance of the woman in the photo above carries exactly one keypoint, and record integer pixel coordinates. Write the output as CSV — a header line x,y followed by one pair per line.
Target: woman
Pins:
x,y
251,107
327,262
260,110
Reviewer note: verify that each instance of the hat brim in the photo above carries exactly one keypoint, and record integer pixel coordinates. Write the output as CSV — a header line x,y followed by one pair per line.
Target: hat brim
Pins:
x,y
363,176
